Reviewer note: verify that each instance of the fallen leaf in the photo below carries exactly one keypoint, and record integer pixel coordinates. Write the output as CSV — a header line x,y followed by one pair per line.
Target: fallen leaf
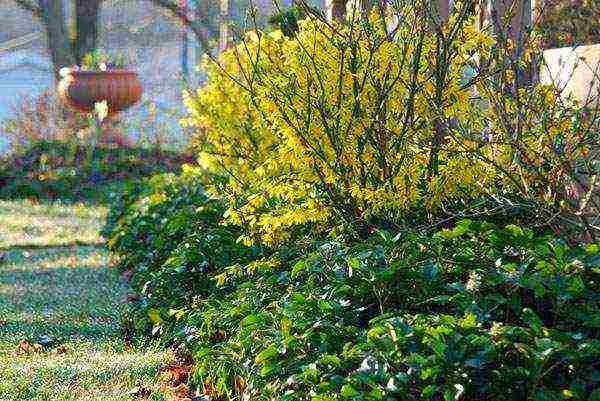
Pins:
x,y
26,348
62,349
141,392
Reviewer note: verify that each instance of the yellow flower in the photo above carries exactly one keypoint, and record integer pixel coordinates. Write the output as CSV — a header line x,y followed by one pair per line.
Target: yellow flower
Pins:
x,y
101,110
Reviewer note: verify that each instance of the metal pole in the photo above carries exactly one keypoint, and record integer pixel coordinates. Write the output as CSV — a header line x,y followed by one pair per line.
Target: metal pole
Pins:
x,y
184,45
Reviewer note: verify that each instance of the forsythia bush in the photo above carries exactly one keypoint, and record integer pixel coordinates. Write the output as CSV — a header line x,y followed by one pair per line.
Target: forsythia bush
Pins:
x,y
358,123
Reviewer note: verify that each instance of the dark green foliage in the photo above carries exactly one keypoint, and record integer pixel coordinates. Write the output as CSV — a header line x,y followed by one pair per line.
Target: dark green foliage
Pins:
x,y
287,19
475,312
169,237
68,171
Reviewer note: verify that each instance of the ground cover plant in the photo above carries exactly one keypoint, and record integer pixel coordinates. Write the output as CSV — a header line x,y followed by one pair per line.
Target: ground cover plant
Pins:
x,y
168,235
386,208
473,311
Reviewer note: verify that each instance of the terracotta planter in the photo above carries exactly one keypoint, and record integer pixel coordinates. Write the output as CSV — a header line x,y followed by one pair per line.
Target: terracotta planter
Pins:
x,y
81,89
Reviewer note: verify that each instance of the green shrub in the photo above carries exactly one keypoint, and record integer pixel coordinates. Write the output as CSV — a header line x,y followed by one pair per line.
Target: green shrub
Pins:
x,y
168,235
476,312
61,170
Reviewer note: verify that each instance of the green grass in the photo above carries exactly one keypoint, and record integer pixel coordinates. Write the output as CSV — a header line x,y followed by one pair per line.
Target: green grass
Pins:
x,y
27,223
57,292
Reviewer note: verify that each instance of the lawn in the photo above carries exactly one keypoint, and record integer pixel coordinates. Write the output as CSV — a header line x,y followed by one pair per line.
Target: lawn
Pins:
x,y
60,337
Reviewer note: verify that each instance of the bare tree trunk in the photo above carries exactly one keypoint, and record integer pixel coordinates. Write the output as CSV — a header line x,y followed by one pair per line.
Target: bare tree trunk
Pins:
x,y
510,20
444,9
52,14
87,12
336,9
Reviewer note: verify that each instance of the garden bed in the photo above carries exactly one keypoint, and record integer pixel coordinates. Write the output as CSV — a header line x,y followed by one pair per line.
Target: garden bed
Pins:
x,y
67,171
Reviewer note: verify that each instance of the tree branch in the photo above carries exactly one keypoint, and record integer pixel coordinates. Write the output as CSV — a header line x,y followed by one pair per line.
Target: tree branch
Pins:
x,y
30,6
183,13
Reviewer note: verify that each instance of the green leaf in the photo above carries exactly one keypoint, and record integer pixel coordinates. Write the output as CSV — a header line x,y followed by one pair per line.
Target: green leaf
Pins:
x,y
376,332
354,263
251,320
439,299
299,267
430,271
447,234
178,313
267,369
592,249
576,286
464,225
516,231
439,347
325,306
384,235
266,355
532,319
349,391
154,316
332,360
429,391
469,321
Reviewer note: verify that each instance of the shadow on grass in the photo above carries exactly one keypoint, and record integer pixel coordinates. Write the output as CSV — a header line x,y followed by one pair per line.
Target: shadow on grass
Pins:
x,y
37,247
61,294
57,332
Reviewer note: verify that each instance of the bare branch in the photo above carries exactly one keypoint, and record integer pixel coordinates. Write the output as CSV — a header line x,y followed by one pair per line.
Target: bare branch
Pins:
x,y
30,6
183,14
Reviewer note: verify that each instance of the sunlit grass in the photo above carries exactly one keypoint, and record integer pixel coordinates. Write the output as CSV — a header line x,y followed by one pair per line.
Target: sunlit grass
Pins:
x,y
29,223
64,298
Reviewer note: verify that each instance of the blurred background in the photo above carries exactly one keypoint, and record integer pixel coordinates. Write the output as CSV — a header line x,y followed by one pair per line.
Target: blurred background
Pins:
x,y
157,44
166,52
